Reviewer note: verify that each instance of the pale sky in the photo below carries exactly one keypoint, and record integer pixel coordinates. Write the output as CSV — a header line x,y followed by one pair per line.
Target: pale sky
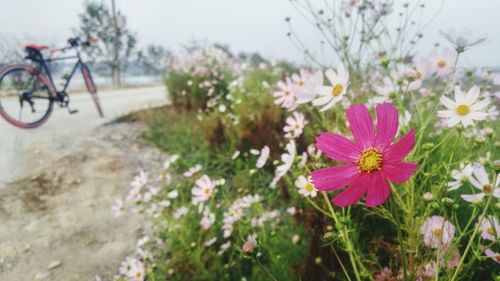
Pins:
x,y
246,25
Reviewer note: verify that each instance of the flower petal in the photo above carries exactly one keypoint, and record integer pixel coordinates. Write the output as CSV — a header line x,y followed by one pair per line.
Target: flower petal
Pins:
x,y
337,147
399,172
387,124
352,194
473,198
378,189
472,95
334,177
398,151
361,125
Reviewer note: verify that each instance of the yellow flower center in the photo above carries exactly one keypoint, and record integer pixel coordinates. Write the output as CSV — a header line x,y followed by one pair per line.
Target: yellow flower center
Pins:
x,y
497,258
370,160
462,110
418,75
138,274
487,188
206,190
490,231
337,90
301,83
438,232
286,93
441,63
309,187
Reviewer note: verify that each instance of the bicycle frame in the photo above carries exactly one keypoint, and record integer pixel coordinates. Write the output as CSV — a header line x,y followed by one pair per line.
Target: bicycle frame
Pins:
x,y
43,66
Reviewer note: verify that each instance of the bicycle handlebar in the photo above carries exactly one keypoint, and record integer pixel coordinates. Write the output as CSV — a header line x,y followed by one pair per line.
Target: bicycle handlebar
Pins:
x,y
76,41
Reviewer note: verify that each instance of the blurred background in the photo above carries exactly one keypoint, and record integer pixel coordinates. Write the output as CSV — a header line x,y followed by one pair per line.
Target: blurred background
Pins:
x,y
152,30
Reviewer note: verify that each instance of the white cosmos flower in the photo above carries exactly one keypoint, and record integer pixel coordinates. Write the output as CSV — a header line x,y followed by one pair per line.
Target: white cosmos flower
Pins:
x,y
328,96
224,247
490,228
180,212
193,170
437,230
264,155
442,62
235,155
133,269
460,176
173,194
404,120
203,190
384,91
307,91
140,180
463,40
465,108
170,160
287,161
306,187
480,181
303,160
294,125
210,242
207,220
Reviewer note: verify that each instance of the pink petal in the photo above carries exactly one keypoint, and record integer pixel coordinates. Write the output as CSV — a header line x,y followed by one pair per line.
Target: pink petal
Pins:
x,y
337,147
361,125
396,152
378,189
353,193
334,177
399,172
387,124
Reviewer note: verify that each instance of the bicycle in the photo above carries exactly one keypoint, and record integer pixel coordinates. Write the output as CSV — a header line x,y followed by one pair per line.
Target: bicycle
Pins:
x,y
28,93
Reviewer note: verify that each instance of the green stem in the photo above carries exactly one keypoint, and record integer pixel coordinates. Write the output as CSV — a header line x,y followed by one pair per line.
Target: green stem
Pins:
x,y
341,263
318,208
473,236
266,271
400,238
345,237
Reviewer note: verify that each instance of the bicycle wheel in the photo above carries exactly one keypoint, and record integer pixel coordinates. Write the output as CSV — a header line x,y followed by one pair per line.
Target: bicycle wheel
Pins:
x,y
26,100
89,82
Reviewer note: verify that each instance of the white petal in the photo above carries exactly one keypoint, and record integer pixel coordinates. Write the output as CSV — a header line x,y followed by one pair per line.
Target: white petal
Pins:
x,y
321,100
472,198
472,95
450,104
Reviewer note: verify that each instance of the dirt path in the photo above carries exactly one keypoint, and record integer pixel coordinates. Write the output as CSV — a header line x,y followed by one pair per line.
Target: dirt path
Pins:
x,y
14,141
61,212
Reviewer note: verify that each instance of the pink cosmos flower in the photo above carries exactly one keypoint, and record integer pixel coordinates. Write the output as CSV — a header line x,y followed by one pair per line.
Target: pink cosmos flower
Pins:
x,y
286,95
370,161
294,125
493,255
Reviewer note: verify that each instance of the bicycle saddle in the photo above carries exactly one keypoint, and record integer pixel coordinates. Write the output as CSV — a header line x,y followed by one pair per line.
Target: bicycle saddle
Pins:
x,y
36,47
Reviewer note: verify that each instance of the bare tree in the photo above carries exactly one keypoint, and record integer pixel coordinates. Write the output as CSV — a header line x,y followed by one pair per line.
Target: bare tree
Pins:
x,y
116,42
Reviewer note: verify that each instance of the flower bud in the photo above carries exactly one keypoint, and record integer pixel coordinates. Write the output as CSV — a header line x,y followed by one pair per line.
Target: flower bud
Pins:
x,y
427,146
480,140
249,246
447,201
489,131
428,196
